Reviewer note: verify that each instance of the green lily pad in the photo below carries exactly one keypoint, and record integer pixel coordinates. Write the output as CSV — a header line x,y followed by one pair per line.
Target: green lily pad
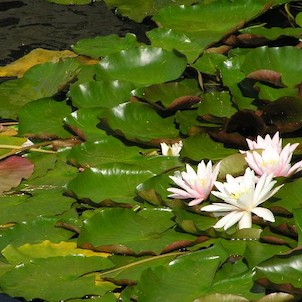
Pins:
x,y
208,63
201,146
208,22
164,94
21,208
278,59
272,33
170,39
84,122
271,94
216,103
65,278
100,94
111,181
141,65
147,231
140,122
138,10
281,270
33,231
101,46
44,119
71,2
163,280
15,94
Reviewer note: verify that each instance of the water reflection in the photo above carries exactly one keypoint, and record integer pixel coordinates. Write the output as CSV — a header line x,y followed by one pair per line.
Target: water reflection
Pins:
x,y
28,24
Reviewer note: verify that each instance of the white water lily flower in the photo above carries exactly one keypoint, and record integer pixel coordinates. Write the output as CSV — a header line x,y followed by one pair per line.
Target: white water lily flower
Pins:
x,y
273,159
242,198
196,186
171,150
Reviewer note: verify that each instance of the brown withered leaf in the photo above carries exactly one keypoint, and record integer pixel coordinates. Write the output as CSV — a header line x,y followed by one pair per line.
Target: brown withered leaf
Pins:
x,y
268,76
243,124
286,287
285,114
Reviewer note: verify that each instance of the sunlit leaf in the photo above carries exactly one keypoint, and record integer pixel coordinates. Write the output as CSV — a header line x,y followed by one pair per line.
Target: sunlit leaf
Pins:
x,y
100,94
140,65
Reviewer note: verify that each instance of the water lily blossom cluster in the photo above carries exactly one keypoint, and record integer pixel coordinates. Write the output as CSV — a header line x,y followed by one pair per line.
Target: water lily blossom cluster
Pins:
x,y
273,159
195,185
171,150
242,197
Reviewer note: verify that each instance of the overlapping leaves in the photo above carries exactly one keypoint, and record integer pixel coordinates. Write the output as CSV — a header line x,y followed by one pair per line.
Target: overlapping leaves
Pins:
x,y
93,208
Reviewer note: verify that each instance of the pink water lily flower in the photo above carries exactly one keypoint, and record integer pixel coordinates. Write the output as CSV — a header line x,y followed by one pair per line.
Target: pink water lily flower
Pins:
x,y
242,197
262,143
195,185
273,159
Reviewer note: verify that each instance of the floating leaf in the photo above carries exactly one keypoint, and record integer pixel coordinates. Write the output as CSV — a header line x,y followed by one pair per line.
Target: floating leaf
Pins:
x,y
45,249
140,65
169,94
169,39
101,46
111,181
147,231
281,271
33,231
216,103
21,208
139,10
44,119
201,146
22,281
36,56
84,122
206,23
162,281
140,122
100,94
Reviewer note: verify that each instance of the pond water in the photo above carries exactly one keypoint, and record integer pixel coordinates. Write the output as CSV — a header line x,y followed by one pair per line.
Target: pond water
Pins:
x,y
28,24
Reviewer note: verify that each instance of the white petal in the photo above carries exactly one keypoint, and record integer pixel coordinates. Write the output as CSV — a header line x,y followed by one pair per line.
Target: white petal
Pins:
x,y
219,207
178,193
246,221
229,220
196,201
264,213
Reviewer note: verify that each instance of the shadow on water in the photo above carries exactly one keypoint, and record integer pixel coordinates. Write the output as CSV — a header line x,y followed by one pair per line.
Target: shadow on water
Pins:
x,y
28,24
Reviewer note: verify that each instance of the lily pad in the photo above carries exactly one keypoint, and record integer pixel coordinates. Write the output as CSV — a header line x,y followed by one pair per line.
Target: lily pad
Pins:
x,y
100,94
44,119
147,231
101,46
137,11
140,122
111,181
22,280
141,65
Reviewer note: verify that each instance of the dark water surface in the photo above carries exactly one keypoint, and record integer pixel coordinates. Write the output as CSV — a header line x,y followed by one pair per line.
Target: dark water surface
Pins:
x,y
28,24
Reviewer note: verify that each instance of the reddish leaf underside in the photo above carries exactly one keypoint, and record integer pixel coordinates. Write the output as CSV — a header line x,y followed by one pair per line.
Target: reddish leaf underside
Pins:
x,y
13,170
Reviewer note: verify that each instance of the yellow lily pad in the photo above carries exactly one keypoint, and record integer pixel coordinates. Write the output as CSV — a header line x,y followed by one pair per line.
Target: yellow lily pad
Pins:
x,y
46,249
36,56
